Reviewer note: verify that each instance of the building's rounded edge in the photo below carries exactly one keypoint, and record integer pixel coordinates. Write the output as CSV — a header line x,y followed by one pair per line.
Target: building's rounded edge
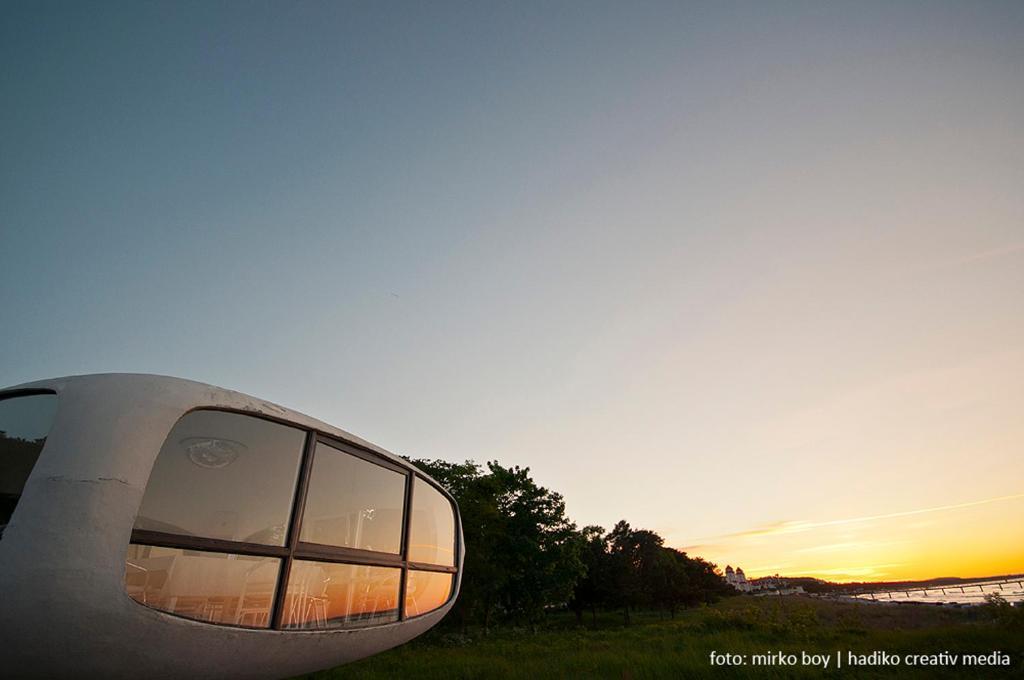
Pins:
x,y
221,397
206,395
175,395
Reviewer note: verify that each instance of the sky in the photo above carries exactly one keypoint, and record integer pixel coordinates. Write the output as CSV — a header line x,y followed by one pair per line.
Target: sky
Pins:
x,y
747,274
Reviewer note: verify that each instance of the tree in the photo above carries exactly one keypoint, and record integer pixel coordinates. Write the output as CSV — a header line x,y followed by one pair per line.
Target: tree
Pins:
x,y
629,568
707,584
538,544
624,572
593,588
522,552
523,555
673,586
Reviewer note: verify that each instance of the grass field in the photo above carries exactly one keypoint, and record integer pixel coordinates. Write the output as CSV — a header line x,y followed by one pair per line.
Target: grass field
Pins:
x,y
661,648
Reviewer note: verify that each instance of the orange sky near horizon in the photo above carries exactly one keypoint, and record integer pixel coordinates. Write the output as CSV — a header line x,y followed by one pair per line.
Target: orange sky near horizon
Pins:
x,y
972,539
915,475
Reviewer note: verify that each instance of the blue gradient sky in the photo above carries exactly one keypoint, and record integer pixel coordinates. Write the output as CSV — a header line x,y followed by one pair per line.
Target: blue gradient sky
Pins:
x,y
708,267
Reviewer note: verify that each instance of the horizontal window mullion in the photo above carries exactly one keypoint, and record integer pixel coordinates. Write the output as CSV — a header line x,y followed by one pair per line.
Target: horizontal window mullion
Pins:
x,y
329,553
165,540
422,566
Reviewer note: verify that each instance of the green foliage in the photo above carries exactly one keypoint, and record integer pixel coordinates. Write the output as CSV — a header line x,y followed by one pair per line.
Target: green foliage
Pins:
x,y
654,647
525,557
631,568
522,552
1002,611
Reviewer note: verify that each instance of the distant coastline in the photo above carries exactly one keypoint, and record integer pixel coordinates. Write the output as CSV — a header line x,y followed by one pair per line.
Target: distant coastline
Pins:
x,y
816,585
874,586
948,590
951,591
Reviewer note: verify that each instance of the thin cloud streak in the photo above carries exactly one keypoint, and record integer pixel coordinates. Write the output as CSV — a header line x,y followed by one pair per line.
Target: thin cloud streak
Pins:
x,y
869,570
972,258
994,252
801,526
834,547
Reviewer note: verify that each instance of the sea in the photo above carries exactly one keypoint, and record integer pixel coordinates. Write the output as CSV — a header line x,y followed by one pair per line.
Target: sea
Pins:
x,y
1012,590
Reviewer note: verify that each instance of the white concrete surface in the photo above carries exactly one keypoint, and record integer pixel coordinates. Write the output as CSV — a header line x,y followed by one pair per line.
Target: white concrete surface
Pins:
x,y
64,611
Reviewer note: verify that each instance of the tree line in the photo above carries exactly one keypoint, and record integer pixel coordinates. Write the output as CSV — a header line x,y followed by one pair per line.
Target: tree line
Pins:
x,y
525,557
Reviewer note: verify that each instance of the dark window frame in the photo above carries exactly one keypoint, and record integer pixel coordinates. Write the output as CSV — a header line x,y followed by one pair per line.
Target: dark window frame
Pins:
x,y
18,394
26,392
294,549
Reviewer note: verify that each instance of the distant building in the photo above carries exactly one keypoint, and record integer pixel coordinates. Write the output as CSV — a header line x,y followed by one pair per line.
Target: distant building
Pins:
x,y
737,579
774,585
794,590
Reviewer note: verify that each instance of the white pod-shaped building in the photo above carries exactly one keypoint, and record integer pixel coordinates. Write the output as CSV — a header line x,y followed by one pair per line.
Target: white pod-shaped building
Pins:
x,y
157,527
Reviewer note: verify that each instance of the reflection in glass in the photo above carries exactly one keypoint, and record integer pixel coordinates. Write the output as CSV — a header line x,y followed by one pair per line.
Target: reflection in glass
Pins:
x,y
224,475
425,591
208,586
432,536
353,503
323,595
24,424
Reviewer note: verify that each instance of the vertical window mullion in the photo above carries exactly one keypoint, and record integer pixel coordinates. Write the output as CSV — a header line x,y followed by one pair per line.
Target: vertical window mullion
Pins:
x,y
277,612
410,484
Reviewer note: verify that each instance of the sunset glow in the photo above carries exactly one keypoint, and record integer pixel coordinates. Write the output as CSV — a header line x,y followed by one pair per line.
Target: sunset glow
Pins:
x,y
750,276
989,535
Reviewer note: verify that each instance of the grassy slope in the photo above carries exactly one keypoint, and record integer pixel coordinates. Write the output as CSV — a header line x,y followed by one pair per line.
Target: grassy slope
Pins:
x,y
680,648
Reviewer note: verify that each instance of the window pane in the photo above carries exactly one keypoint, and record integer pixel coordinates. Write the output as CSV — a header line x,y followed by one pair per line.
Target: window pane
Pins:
x,y
425,591
224,475
432,537
24,424
208,586
325,595
353,503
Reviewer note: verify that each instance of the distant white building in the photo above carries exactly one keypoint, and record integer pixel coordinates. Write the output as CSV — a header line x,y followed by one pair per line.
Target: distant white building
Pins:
x,y
737,579
795,590
774,585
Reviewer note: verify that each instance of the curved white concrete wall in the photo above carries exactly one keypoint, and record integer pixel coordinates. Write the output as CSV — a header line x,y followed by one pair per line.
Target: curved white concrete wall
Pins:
x,y
64,610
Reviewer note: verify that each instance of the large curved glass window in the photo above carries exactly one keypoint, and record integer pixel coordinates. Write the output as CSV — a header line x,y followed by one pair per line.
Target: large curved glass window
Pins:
x,y
209,586
224,476
353,503
24,424
432,536
425,591
325,595
252,523
429,580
